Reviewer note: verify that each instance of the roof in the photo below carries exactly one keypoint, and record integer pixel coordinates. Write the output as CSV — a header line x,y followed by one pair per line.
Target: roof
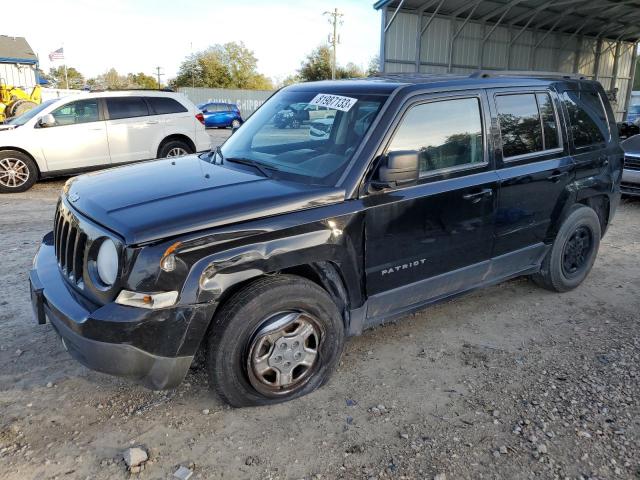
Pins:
x,y
613,19
16,50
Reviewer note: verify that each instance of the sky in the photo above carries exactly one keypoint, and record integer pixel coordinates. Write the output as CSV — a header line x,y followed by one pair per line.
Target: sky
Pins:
x,y
138,35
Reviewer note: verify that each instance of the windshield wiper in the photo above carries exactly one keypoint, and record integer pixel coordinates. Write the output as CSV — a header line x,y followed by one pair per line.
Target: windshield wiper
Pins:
x,y
261,167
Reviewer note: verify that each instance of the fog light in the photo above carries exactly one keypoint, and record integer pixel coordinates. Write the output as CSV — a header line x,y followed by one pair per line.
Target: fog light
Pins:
x,y
147,300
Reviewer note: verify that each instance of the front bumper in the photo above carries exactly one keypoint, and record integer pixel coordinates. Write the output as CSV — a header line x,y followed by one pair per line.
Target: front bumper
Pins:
x,y
630,182
152,347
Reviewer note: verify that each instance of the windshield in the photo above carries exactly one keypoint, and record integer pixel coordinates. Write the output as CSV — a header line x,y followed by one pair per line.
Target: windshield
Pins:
x,y
303,136
29,114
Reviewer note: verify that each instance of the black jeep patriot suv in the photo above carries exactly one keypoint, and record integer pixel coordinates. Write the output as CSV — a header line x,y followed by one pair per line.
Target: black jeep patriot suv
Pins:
x,y
270,250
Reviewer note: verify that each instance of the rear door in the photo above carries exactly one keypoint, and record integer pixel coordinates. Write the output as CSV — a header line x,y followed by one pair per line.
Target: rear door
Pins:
x,y
534,167
433,239
79,138
172,115
132,130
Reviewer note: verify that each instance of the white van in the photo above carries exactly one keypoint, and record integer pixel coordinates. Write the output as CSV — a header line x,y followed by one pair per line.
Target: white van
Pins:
x,y
97,130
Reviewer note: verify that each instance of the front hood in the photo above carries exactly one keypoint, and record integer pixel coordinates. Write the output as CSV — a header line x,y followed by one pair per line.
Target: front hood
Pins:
x,y
162,198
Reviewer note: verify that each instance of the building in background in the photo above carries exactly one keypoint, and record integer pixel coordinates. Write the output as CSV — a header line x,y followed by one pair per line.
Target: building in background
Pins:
x,y
18,63
594,38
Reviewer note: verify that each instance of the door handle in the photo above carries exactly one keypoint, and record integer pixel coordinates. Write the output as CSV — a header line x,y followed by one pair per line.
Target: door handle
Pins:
x,y
475,197
152,122
557,176
97,129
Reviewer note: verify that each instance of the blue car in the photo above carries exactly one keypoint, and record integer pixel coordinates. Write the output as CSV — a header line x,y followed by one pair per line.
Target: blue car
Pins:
x,y
633,116
220,115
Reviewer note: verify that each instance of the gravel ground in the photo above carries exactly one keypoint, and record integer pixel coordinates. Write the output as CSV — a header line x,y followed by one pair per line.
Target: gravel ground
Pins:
x,y
509,382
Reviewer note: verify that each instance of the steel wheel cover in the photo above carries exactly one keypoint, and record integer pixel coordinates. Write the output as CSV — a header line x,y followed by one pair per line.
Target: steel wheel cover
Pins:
x,y
13,172
576,251
283,353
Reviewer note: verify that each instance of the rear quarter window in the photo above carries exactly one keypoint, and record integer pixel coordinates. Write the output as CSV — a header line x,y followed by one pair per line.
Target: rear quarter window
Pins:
x,y
165,105
587,119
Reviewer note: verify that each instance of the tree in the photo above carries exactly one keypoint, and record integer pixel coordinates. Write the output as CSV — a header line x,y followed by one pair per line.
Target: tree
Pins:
x,y
57,78
374,66
317,66
142,80
350,70
231,65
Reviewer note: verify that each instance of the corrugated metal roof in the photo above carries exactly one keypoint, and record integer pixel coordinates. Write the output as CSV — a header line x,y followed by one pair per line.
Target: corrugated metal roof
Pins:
x,y
618,20
16,50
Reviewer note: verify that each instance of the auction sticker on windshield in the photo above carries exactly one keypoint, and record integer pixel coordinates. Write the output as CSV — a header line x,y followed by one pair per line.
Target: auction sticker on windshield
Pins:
x,y
334,101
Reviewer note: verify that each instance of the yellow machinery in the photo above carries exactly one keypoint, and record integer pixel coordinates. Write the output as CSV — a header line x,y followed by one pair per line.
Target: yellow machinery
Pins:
x,y
15,101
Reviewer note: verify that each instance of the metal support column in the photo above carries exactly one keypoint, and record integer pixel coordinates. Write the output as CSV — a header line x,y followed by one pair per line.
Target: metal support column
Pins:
x,y
596,63
421,30
634,59
383,38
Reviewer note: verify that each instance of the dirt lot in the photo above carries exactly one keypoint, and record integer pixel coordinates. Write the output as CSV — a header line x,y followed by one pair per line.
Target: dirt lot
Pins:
x,y
509,382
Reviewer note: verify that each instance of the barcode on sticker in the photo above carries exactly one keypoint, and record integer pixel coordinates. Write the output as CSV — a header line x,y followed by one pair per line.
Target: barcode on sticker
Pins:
x,y
336,102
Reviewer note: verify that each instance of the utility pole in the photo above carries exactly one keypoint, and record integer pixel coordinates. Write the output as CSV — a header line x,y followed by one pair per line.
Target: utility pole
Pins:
x,y
159,75
334,40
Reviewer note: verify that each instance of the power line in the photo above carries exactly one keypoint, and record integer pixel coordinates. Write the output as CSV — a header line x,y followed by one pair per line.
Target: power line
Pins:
x,y
334,40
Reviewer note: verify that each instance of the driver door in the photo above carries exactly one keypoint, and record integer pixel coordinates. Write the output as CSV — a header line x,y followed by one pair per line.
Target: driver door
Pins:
x,y
78,140
433,239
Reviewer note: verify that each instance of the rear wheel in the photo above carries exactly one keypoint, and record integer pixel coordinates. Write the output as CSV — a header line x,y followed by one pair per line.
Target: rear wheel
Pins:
x,y
235,123
573,252
175,148
277,339
18,172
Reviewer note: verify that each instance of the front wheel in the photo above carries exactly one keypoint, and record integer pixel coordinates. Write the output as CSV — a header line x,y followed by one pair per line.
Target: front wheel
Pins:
x,y
277,339
18,172
573,252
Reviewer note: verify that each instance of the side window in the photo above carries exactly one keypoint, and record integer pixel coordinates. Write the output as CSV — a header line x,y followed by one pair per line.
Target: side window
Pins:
x,y
126,107
81,111
528,123
587,118
519,124
164,105
445,133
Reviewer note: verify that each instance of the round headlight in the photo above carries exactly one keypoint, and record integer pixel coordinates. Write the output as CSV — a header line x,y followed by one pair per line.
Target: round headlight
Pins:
x,y
107,262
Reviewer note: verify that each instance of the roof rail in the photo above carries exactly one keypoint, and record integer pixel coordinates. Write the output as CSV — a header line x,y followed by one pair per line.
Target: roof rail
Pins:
x,y
525,73
100,90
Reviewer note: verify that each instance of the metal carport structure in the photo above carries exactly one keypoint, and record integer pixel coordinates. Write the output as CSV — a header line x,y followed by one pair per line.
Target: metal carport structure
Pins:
x,y
594,38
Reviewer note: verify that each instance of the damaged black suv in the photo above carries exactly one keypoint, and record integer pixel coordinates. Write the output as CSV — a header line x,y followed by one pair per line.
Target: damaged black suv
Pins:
x,y
267,252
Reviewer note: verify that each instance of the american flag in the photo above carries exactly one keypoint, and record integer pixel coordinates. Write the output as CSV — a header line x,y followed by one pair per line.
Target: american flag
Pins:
x,y
57,54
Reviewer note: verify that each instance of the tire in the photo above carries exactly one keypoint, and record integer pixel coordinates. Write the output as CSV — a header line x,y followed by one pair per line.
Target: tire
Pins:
x,y
573,252
174,148
20,107
238,337
18,171
236,123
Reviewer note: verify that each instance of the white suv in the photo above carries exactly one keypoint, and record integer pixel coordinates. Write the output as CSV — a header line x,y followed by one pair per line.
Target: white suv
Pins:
x,y
97,130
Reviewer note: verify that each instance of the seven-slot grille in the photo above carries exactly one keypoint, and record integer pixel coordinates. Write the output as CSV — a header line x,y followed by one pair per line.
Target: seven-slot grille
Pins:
x,y
631,163
70,243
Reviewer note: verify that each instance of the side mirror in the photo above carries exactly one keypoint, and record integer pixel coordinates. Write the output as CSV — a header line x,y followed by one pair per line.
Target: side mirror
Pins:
x,y
398,169
47,120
